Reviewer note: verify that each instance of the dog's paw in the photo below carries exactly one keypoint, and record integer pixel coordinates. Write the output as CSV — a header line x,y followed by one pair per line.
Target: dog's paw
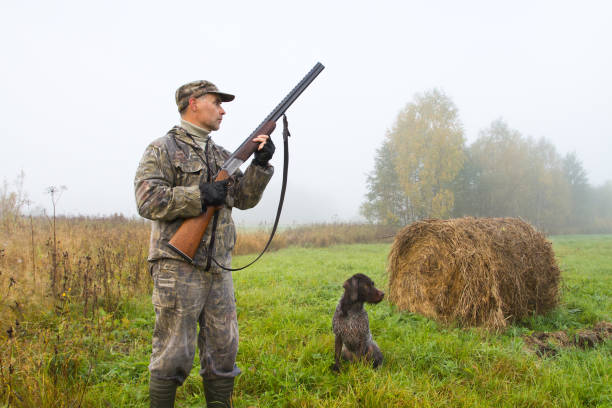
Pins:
x,y
335,367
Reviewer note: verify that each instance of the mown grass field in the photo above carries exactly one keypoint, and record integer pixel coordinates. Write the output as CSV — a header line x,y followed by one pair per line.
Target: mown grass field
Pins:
x,y
285,305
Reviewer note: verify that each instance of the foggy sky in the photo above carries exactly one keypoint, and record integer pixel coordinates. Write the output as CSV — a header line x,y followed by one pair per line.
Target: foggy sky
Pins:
x,y
86,85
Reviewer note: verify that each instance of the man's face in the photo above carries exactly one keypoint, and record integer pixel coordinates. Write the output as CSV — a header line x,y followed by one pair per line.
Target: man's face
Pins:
x,y
207,111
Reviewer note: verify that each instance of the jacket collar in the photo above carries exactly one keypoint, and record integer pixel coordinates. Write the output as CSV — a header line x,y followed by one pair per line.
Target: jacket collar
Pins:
x,y
181,134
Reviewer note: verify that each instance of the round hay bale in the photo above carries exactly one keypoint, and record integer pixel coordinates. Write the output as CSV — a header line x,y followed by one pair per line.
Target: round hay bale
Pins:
x,y
473,271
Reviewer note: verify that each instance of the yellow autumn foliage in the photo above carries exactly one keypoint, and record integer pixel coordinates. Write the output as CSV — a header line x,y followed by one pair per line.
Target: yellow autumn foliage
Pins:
x,y
429,145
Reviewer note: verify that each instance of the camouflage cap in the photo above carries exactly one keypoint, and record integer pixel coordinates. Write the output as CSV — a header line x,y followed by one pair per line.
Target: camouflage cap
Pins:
x,y
196,89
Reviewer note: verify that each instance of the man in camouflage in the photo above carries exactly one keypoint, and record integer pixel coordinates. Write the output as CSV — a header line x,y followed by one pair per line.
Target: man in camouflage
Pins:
x,y
174,181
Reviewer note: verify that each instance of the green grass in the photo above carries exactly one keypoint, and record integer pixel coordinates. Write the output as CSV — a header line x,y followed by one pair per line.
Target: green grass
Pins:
x,y
586,264
285,305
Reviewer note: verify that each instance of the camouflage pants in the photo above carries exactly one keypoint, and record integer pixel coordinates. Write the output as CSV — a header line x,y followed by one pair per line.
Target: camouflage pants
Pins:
x,y
185,297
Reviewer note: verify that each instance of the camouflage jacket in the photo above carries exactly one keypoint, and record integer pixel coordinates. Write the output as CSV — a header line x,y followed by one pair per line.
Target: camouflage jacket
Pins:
x,y
167,191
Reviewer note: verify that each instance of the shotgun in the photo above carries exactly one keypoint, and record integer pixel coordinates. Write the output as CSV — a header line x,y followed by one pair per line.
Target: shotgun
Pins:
x,y
188,237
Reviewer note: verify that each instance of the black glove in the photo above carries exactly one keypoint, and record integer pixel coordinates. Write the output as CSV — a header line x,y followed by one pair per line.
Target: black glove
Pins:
x,y
213,194
263,156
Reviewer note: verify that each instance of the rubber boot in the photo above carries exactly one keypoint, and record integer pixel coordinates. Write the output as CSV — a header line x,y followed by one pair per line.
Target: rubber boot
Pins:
x,y
162,393
218,392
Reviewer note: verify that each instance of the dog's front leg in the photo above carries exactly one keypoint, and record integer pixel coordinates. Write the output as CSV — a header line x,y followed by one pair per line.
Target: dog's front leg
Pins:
x,y
374,355
337,352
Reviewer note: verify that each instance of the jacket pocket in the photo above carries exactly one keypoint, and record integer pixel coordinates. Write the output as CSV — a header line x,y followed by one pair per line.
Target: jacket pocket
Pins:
x,y
189,172
189,166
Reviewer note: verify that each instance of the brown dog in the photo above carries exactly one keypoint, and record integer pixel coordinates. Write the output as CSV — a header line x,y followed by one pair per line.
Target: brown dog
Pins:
x,y
351,325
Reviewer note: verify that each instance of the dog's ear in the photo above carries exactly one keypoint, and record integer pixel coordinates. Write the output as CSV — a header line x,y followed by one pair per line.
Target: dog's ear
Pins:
x,y
352,288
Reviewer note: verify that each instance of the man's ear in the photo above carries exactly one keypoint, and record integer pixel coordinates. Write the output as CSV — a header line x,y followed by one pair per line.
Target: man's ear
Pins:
x,y
192,104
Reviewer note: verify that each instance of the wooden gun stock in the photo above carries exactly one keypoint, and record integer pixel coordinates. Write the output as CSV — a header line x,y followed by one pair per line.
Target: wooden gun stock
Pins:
x,y
189,236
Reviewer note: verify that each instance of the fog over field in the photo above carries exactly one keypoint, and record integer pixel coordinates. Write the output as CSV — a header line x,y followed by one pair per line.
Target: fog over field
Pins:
x,y
85,86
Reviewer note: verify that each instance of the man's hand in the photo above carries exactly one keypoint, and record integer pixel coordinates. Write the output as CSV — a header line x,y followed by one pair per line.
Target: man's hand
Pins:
x,y
213,194
265,151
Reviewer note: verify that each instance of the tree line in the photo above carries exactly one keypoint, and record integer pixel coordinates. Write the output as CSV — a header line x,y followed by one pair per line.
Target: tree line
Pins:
x,y
425,169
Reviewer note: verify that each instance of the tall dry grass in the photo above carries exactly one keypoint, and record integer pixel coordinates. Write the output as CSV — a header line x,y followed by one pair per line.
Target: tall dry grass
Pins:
x,y
57,283
103,258
313,235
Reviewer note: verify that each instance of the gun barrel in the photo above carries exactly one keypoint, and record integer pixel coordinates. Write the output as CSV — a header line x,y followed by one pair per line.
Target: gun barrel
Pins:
x,y
242,153
291,96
